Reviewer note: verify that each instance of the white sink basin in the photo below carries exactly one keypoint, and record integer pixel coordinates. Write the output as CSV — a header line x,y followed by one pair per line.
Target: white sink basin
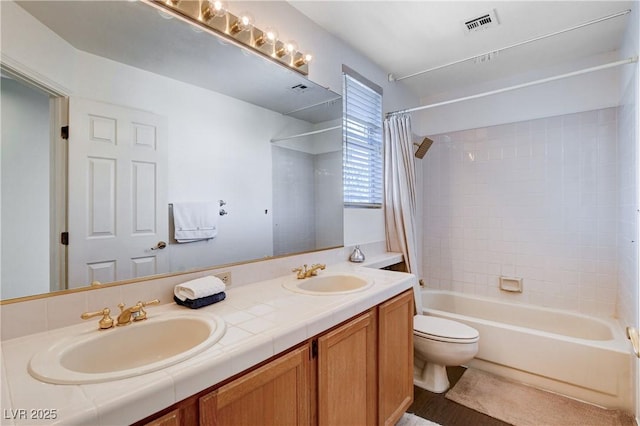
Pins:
x,y
132,350
329,284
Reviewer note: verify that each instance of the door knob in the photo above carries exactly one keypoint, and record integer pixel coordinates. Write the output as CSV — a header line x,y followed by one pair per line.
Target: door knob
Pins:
x,y
159,246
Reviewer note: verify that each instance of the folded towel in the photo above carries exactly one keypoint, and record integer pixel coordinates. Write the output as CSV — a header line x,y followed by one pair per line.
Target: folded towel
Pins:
x,y
195,221
202,302
199,288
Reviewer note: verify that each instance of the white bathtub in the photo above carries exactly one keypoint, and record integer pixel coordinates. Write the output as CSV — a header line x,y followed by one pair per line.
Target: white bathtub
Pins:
x,y
575,355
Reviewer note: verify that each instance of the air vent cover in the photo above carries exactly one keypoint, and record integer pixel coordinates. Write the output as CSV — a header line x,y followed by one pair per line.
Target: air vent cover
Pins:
x,y
482,22
300,88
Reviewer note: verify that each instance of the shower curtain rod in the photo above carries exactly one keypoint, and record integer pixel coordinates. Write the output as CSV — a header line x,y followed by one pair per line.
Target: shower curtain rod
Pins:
x,y
311,106
584,24
315,132
518,86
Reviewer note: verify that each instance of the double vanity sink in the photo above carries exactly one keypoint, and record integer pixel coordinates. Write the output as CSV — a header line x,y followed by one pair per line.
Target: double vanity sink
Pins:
x,y
126,373
158,342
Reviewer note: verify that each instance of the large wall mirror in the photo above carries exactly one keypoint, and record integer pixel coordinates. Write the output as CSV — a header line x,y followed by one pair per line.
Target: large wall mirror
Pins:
x,y
160,113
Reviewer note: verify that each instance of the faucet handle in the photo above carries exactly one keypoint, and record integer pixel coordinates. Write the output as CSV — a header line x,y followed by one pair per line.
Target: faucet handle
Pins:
x,y
142,314
315,267
302,271
105,323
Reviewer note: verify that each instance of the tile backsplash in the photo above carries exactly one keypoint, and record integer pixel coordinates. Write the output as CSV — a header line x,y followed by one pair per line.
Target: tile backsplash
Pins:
x,y
536,200
37,315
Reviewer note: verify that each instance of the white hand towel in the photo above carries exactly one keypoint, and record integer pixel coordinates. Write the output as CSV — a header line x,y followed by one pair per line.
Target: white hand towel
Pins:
x,y
194,221
198,288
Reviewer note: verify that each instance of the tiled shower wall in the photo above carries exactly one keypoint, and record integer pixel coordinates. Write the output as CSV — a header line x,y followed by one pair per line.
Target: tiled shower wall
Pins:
x,y
536,200
293,201
307,200
628,204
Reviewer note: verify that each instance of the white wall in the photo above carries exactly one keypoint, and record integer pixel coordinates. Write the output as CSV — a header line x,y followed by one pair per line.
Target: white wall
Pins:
x,y
26,168
43,53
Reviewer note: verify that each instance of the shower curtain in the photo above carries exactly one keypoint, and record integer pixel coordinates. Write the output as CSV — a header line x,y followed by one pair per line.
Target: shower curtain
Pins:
x,y
400,191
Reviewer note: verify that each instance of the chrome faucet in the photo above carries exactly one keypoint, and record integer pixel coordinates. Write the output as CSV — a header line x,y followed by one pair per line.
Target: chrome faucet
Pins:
x,y
303,272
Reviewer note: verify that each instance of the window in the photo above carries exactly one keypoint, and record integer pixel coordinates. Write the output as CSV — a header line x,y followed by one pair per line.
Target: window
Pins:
x,y
362,142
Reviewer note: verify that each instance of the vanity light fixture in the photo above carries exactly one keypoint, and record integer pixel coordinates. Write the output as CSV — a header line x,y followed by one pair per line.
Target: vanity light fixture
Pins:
x,y
214,16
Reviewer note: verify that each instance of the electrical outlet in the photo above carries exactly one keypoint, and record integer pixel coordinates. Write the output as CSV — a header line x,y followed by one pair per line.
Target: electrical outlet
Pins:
x,y
225,277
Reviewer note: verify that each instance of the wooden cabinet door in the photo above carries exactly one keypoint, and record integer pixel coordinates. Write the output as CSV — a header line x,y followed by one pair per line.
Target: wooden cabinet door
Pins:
x,y
347,373
395,357
173,418
277,393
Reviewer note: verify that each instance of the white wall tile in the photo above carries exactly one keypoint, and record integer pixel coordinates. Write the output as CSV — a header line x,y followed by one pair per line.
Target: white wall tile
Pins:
x,y
536,199
627,230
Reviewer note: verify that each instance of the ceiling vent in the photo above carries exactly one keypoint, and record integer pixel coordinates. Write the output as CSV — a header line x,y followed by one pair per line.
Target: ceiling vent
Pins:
x,y
482,22
299,88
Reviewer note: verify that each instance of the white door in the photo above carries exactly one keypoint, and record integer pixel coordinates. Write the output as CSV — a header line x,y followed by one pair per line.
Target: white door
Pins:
x,y
118,206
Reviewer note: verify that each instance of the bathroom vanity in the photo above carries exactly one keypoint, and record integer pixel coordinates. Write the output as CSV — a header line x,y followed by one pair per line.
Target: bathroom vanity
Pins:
x,y
286,357
359,372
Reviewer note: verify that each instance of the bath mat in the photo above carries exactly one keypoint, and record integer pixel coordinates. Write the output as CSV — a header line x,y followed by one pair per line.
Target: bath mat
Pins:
x,y
523,405
409,419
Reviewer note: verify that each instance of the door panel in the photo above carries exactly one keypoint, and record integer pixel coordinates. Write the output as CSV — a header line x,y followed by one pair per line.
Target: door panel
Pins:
x,y
117,192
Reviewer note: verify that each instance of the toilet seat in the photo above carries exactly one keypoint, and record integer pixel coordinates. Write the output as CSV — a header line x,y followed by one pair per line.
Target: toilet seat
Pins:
x,y
443,330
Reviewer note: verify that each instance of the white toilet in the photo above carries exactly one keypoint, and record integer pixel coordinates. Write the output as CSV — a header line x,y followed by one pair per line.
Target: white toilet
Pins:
x,y
437,343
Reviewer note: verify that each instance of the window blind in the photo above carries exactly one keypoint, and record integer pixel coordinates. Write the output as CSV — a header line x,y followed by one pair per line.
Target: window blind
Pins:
x,y
362,139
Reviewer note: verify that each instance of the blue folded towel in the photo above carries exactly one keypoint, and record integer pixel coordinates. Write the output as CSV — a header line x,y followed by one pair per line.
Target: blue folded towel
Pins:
x,y
201,302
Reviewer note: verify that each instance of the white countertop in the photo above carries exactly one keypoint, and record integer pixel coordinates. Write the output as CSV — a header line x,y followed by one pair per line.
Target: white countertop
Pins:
x,y
262,319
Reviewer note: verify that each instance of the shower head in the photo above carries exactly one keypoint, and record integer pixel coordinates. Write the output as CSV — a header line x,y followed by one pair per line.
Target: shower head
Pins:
x,y
423,147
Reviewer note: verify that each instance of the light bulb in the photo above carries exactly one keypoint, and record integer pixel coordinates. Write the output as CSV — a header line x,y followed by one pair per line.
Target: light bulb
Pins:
x,y
218,8
272,35
269,36
243,23
290,47
287,48
303,59
212,9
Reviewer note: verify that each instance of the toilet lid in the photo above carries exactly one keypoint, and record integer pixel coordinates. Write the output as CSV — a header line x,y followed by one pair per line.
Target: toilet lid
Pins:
x,y
434,327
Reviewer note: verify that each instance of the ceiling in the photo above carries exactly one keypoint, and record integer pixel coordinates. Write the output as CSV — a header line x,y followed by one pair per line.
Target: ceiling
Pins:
x,y
406,37
402,37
